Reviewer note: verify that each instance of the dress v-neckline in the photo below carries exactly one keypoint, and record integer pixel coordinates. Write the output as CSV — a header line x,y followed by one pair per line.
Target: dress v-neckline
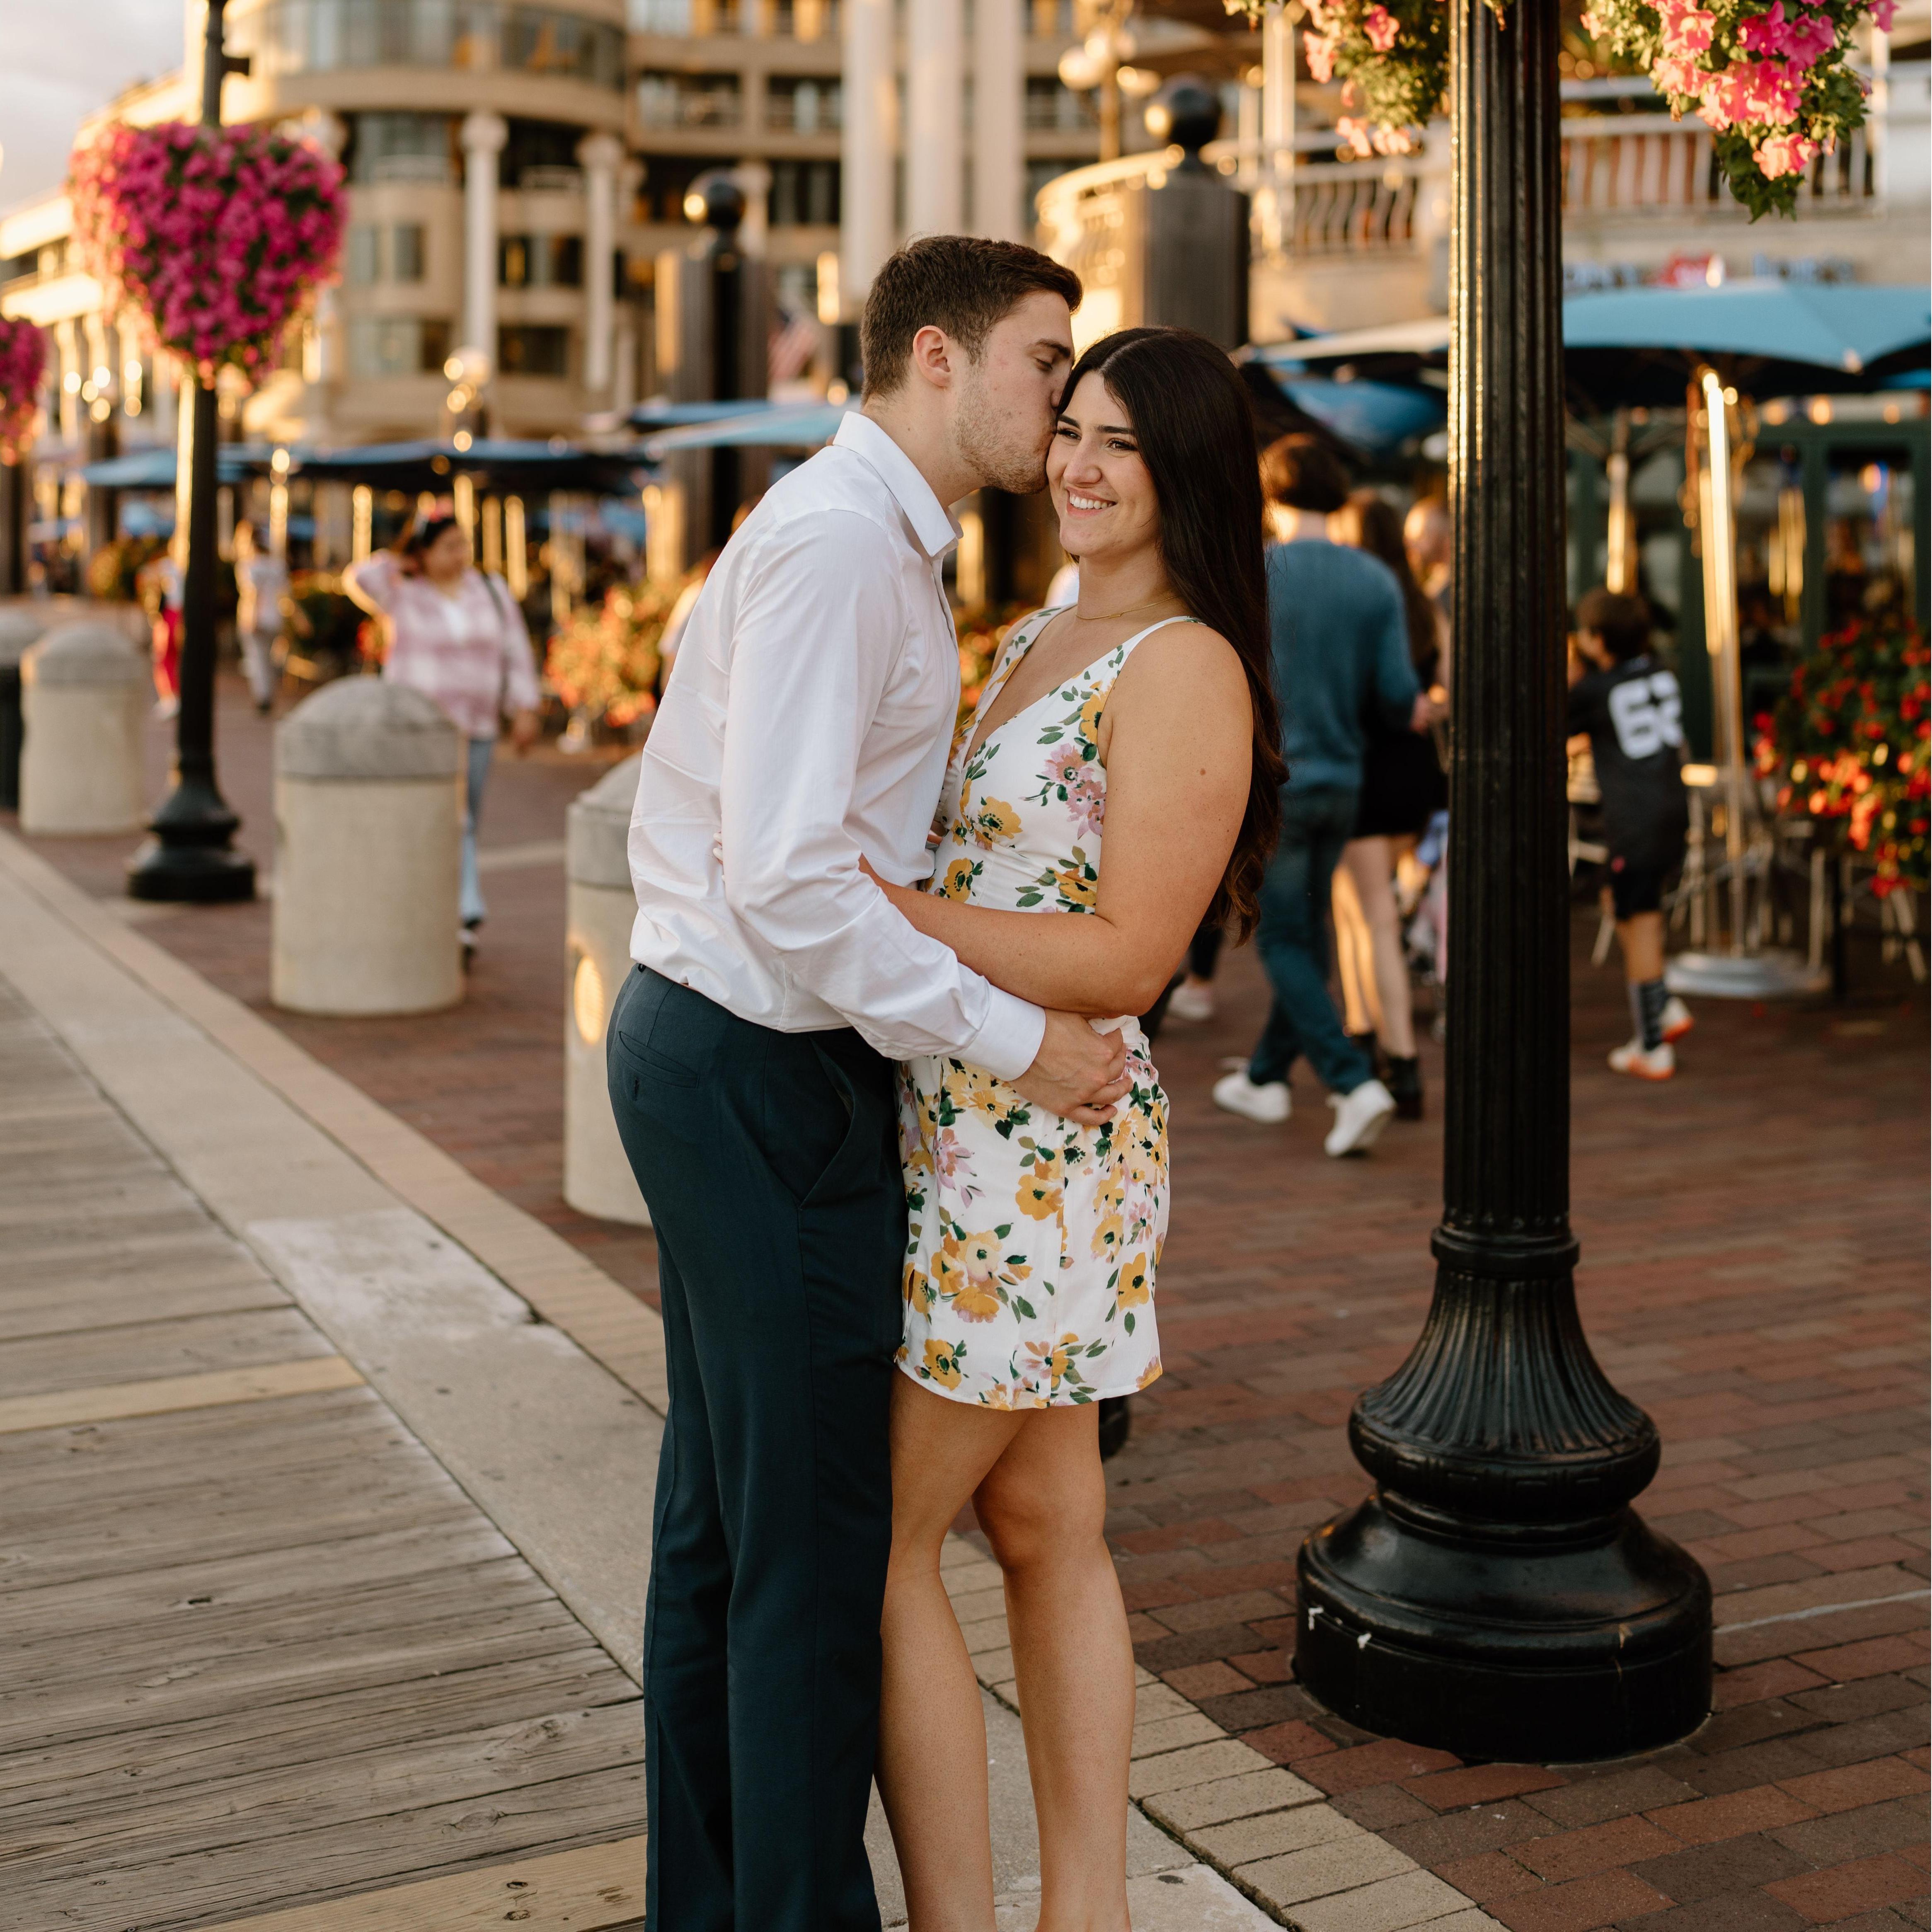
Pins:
x,y
976,745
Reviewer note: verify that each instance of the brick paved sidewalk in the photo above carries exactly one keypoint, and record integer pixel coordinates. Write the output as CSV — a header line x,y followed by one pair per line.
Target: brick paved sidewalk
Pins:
x,y
1754,1246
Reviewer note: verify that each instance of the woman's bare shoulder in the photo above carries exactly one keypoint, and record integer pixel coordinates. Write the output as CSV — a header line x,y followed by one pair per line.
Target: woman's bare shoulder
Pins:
x,y
1191,661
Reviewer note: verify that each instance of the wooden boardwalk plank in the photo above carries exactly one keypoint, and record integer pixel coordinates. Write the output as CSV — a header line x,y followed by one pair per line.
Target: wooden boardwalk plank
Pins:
x,y
21,1413
146,1351
599,1889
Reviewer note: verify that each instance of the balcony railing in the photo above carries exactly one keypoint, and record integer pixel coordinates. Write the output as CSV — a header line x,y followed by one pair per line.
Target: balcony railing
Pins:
x,y
289,36
1646,163
668,102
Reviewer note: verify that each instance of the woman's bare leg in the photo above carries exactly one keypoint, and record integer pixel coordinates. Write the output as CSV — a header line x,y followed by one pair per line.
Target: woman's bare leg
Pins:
x,y
1354,955
1370,867
1043,1506
932,1738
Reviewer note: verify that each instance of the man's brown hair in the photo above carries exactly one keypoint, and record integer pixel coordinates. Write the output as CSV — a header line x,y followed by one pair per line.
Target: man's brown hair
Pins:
x,y
1622,620
962,283
1303,473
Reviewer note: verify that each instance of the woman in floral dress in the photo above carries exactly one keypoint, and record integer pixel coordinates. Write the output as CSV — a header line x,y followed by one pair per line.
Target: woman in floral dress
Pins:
x,y
1143,714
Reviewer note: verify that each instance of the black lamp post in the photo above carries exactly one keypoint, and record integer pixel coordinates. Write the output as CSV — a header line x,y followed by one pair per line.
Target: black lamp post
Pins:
x,y
190,856
1496,1596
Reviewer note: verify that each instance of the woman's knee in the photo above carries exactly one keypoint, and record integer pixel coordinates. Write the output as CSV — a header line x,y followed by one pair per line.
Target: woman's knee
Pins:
x,y
1039,1510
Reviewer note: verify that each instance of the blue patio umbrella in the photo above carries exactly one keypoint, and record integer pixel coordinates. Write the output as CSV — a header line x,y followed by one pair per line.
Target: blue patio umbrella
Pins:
x,y
154,469
769,426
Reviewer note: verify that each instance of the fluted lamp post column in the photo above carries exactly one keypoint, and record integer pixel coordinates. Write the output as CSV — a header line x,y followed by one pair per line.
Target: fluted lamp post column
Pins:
x,y
1496,1595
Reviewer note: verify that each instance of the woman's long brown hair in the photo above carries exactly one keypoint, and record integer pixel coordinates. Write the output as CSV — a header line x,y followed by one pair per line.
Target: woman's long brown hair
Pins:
x,y
1195,428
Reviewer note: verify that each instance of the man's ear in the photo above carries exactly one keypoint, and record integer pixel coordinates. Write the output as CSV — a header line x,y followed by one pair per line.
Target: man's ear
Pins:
x,y
935,356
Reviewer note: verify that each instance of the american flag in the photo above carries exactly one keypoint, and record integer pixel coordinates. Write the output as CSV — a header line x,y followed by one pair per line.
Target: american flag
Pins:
x,y
793,343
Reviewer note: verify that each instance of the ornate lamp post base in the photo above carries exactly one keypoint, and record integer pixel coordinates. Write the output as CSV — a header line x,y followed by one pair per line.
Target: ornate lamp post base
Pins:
x,y
1511,1644
189,860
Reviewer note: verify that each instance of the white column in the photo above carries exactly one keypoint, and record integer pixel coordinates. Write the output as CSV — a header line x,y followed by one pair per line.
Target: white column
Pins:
x,y
1278,84
600,156
934,150
484,135
866,148
999,122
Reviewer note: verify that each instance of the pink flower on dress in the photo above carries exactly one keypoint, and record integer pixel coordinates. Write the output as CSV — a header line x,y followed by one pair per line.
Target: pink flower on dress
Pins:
x,y
951,1161
1087,801
1382,27
1064,767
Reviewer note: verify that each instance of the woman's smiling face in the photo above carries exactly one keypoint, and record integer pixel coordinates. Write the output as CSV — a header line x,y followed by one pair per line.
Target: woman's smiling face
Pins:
x,y
1100,486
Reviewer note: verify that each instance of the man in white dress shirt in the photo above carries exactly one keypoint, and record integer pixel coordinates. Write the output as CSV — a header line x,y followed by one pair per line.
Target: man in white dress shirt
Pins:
x,y
807,722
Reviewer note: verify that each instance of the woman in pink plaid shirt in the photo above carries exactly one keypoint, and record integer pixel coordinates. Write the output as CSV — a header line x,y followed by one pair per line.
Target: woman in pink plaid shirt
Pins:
x,y
457,636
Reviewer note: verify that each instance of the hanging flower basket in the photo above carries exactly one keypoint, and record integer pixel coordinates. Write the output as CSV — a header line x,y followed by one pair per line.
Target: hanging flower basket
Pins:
x,y
1771,81
23,364
1849,741
215,236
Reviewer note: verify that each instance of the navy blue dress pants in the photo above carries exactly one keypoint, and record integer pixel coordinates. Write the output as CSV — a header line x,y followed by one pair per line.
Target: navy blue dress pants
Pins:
x,y
770,1164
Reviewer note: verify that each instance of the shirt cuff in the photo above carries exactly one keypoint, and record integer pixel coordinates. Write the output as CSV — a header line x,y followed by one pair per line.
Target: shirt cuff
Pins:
x,y
1008,1043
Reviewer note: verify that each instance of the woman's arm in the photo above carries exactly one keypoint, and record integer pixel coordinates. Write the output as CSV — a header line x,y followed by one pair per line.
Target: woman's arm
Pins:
x,y
1177,740
372,582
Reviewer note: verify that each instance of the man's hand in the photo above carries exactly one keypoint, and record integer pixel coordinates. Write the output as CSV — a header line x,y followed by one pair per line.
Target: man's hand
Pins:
x,y
1077,1073
525,729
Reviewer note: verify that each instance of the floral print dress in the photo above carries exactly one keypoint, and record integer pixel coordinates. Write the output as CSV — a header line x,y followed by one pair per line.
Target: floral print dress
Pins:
x,y
1032,1240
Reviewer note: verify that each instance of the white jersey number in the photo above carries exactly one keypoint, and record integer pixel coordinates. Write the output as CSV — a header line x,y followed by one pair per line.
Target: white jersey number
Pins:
x,y
1648,712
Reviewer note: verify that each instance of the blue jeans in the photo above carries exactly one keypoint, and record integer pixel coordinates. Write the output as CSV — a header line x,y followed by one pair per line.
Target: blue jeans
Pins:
x,y
471,907
1292,940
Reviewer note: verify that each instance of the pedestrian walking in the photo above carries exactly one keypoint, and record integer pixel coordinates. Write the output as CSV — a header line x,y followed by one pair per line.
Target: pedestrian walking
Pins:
x,y
1403,786
1340,644
807,727
457,636
1630,706
164,585
261,582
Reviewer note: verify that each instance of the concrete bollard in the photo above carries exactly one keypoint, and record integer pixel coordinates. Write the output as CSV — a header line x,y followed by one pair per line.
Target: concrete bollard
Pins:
x,y
597,1176
86,692
368,840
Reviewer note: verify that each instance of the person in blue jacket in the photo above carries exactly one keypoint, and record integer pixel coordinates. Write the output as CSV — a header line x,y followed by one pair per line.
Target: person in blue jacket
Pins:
x,y
1341,657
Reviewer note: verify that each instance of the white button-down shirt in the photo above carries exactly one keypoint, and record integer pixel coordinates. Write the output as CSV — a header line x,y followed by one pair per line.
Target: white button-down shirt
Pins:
x,y
807,721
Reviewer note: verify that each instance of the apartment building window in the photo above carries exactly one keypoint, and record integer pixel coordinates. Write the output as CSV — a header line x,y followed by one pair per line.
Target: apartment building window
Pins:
x,y
401,147
1052,109
288,37
804,194
363,257
540,156
540,261
660,17
805,20
533,349
408,252
398,345
804,105
688,100
369,260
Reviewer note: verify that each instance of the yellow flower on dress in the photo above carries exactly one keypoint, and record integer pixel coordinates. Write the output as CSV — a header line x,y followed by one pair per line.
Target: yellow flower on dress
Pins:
x,y
998,1397
1108,1235
1051,1357
1075,887
993,821
942,1363
958,883
1131,1291
976,1301
918,1288
1150,1373
1040,1200
1090,716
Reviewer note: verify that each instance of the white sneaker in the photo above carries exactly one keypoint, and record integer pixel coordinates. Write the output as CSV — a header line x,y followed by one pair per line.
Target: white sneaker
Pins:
x,y
1656,1062
1677,1020
1360,1117
1266,1102
1189,1001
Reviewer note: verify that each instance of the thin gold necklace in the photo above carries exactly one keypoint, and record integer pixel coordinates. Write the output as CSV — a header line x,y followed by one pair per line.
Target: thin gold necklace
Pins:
x,y
1107,617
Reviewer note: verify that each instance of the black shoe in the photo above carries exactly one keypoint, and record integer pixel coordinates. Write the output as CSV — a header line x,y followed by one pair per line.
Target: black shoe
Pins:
x,y
1115,1424
1404,1080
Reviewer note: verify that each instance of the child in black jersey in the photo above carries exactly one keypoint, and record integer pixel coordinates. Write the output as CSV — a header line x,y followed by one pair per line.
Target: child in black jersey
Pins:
x,y
1630,706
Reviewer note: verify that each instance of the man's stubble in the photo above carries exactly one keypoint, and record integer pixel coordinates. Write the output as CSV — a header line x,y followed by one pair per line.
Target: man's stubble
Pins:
x,y
995,443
